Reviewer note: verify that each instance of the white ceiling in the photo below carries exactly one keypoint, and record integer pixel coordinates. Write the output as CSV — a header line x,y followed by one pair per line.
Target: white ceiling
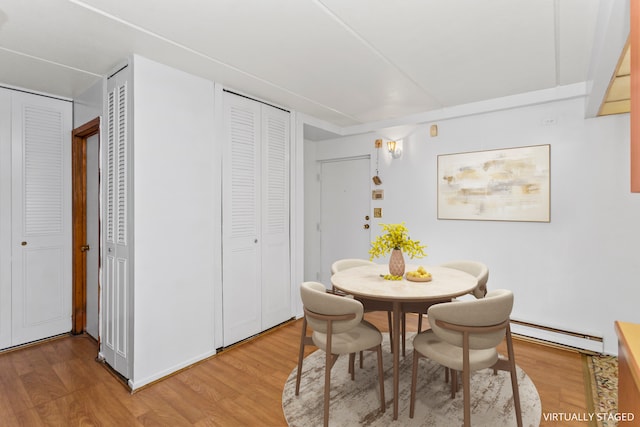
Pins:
x,y
345,62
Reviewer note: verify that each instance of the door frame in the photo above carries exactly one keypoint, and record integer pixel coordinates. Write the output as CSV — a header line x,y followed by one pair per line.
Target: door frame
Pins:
x,y
80,136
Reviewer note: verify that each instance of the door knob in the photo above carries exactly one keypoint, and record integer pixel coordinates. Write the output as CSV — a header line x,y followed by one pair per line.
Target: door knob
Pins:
x,y
84,248
24,243
366,226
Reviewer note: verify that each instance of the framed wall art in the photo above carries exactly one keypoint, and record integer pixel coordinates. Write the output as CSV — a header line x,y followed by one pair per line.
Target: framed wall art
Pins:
x,y
509,184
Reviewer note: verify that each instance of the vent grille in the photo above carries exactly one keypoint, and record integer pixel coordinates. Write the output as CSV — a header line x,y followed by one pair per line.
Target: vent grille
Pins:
x,y
43,166
243,175
122,166
110,220
276,176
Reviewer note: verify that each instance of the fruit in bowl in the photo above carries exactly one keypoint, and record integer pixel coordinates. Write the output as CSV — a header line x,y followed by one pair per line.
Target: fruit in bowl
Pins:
x,y
420,275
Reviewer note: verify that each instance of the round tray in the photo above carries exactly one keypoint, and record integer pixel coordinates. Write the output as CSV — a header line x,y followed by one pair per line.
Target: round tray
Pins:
x,y
418,279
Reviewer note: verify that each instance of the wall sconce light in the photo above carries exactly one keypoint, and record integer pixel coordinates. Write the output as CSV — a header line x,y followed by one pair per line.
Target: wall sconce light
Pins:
x,y
395,148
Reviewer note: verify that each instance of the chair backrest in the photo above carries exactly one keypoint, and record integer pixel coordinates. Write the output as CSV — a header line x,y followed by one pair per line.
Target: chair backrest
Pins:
x,y
493,309
475,268
316,299
343,264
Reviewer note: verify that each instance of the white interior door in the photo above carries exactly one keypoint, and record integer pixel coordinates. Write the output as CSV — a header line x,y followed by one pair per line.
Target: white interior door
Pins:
x,y
93,233
345,197
241,227
115,333
275,261
41,217
5,218
255,232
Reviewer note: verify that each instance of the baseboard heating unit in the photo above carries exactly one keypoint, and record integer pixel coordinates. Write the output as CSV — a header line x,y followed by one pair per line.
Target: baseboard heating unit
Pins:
x,y
576,340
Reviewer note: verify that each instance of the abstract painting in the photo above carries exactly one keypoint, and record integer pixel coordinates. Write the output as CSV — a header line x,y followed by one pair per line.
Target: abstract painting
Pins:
x,y
495,185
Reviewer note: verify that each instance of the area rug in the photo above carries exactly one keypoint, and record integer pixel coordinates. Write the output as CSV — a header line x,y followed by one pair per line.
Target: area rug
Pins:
x,y
602,387
357,403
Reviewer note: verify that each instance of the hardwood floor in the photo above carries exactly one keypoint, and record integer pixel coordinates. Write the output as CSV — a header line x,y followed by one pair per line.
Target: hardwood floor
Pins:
x,y
59,383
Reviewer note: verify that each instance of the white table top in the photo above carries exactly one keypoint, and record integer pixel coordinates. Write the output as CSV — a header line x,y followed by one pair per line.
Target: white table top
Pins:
x,y
366,282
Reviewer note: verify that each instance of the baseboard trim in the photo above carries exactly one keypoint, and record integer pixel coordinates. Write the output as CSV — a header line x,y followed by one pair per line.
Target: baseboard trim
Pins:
x,y
582,342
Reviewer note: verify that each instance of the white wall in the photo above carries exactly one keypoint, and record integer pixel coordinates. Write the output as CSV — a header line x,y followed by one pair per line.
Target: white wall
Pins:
x,y
578,272
175,183
88,105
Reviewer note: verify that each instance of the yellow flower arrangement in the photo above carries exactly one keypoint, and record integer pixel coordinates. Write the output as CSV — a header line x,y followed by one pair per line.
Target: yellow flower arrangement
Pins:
x,y
396,237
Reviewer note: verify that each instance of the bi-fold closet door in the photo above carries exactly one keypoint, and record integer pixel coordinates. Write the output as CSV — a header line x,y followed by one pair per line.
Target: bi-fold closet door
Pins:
x,y
116,311
35,217
256,218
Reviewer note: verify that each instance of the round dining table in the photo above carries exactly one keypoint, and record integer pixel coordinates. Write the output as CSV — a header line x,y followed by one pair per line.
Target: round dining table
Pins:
x,y
368,282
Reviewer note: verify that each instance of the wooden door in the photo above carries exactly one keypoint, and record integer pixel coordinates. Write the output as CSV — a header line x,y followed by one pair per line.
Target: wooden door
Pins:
x,y
345,195
41,217
86,245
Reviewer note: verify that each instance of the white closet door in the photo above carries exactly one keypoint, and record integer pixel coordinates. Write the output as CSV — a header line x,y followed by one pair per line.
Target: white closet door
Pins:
x,y
5,218
41,217
116,289
242,294
276,283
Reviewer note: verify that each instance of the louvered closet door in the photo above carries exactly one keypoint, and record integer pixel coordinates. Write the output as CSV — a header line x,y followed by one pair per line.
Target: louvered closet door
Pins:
x,y
41,217
115,335
276,285
242,293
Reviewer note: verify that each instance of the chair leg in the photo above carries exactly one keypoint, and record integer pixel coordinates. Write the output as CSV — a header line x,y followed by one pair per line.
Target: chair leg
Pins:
x,y
381,377
361,357
516,396
419,322
466,379
301,355
454,383
327,387
414,377
352,369
514,378
466,385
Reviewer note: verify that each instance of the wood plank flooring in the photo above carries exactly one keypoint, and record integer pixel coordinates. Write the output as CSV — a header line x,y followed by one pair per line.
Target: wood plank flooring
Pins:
x,y
59,383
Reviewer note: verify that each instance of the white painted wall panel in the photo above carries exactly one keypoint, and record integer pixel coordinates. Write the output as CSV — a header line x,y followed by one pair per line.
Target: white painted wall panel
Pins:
x,y
175,181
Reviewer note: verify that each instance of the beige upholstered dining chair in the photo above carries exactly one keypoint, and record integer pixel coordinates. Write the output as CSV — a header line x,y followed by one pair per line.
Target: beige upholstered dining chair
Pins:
x,y
369,304
338,328
463,337
475,268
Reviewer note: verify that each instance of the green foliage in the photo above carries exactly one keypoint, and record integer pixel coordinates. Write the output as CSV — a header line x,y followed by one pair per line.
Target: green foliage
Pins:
x,y
396,237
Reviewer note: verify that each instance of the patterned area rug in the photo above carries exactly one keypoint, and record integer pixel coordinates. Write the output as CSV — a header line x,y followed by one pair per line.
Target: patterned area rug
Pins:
x,y
357,402
603,376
